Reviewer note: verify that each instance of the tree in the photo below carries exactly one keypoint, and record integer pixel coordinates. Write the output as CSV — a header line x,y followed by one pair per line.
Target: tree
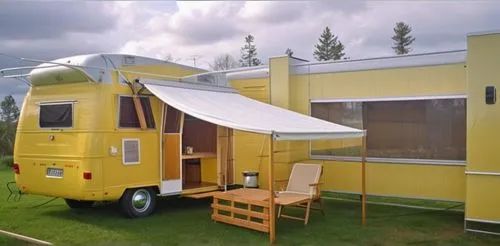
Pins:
x,y
223,62
249,53
9,114
9,110
289,52
402,39
328,47
170,58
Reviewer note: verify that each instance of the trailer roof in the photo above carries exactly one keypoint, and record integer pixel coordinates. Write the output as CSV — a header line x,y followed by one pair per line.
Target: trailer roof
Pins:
x,y
96,67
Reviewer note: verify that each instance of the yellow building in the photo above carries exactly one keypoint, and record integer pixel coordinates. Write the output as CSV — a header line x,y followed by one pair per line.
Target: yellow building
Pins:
x,y
430,131
430,121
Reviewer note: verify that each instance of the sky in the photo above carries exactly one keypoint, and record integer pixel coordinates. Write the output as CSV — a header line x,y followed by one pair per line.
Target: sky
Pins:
x,y
192,31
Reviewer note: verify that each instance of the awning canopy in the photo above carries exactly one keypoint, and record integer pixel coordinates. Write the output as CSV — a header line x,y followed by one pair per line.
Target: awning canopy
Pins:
x,y
226,107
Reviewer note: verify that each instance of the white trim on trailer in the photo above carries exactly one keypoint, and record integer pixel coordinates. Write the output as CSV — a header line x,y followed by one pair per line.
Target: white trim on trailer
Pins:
x,y
56,102
138,140
173,186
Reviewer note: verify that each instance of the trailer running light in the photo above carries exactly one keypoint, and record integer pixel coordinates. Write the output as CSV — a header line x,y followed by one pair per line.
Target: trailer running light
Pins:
x,y
87,175
16,168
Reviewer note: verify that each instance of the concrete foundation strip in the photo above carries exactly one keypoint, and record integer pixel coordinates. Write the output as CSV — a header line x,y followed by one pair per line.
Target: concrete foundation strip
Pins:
x,y
24,238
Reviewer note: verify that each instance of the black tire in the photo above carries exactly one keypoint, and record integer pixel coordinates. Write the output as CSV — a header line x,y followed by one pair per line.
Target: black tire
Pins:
x,y
139,202
75,204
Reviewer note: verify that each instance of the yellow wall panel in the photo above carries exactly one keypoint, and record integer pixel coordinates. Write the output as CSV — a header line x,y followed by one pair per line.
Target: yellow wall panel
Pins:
x,y
257,89
299,95
251,150
483,201
416,81
438,182
279,77
482,119
209,170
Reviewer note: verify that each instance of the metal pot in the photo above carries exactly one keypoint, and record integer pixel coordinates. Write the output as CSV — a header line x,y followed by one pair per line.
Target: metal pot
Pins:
x,y
250,179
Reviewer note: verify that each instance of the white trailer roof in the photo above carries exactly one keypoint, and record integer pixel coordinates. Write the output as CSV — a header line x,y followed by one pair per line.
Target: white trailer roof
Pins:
x,y
226,107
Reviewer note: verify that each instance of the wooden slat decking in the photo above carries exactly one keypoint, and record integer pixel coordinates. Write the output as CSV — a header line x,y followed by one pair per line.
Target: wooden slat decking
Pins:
x,y
247,208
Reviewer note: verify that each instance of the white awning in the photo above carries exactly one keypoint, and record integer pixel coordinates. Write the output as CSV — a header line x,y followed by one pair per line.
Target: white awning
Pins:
x,y
226,107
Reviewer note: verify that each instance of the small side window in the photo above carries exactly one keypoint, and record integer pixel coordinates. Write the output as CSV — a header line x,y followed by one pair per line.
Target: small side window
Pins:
x,y
56,115
131,151
128,114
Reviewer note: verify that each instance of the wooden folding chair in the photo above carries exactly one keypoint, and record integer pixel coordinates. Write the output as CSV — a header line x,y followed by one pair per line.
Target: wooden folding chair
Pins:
x,y
302,190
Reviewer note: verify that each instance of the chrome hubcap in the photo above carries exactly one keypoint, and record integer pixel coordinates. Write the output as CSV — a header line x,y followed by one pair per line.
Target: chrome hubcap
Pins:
x,y
141,200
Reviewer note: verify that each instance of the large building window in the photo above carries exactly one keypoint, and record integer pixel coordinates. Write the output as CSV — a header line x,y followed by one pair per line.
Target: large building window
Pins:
x,y
431,129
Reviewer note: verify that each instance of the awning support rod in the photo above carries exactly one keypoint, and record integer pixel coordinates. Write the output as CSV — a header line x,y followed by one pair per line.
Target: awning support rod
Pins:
x,y
272,222
363,179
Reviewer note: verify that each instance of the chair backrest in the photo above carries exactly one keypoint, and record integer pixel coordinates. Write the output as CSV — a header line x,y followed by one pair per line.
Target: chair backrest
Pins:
x,y
302,176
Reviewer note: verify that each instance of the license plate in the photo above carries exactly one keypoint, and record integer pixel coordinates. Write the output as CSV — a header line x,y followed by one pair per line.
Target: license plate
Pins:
x,y
54,172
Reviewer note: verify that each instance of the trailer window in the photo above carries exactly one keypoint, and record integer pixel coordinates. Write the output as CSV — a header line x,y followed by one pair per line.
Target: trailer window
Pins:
x,y
173,120
56,115
128,114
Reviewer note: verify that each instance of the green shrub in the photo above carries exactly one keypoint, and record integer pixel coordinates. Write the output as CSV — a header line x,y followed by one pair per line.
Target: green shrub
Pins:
x,y
7,161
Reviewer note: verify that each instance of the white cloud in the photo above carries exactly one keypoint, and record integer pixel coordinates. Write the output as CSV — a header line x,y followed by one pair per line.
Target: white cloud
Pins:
x,y
207,29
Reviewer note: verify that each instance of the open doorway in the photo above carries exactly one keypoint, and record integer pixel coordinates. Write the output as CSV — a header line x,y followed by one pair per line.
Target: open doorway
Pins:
x,y
197,155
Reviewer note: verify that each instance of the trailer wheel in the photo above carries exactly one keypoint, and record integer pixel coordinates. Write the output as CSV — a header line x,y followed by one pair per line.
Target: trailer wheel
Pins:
x,y
78,203
138,202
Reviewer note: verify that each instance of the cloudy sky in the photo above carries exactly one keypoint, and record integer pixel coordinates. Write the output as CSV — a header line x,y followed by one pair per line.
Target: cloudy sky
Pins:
x,y
203,30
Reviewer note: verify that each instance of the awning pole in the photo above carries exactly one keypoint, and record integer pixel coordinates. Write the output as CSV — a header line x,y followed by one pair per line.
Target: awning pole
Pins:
x,y
363,178
228,156
272,232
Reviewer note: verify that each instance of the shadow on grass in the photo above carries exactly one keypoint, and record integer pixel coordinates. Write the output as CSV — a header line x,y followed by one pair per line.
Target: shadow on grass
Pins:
x,y
164,206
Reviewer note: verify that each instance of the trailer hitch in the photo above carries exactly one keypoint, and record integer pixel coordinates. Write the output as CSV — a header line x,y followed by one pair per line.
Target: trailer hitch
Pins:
x,y
14,191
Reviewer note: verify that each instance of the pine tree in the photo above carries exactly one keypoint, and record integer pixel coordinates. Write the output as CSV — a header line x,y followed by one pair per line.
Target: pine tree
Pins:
x,y
9,114
249,53
329,47
289,52
402,39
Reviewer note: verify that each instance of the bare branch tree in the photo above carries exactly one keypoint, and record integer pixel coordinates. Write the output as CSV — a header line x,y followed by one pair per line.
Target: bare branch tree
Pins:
x,y
223,62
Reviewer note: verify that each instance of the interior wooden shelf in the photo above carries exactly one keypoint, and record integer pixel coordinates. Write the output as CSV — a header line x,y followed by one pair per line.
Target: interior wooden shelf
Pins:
x,y
199,155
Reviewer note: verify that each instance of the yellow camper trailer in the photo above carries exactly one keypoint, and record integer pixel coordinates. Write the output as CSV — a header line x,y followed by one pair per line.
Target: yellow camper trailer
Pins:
x,y
81,137
118,127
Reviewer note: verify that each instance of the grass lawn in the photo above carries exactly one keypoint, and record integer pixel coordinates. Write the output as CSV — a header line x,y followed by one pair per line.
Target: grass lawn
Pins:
x,y
187,222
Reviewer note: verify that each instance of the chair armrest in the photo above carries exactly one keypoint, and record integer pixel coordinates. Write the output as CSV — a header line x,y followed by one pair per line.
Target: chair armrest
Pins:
x,y
315,186
283,183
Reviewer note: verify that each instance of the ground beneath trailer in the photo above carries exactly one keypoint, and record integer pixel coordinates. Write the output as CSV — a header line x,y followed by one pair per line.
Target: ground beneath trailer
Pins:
x,y
187,222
